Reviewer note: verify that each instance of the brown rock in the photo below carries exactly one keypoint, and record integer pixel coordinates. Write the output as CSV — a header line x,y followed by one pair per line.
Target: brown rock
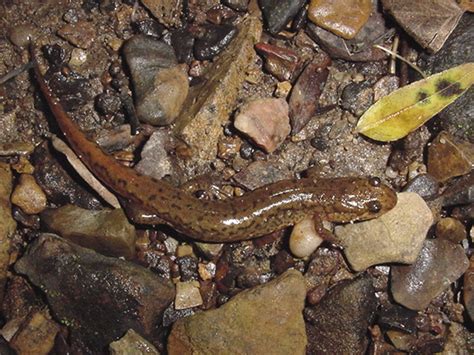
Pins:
x,y
167,12
281,62
449,157
265,121
81,34
256,320
106,231
338,47
7,224
341,17
468,294
439,263
428,22
99,298
36,335
28,195
187,295
208,105
305,94
450,229
132,343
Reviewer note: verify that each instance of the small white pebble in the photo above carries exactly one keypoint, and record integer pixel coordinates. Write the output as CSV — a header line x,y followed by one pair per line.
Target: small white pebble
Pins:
x,y
304,239
171,244
187,295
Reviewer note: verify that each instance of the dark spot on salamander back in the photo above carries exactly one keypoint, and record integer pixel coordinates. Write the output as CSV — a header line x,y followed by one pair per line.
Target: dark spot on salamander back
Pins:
x,y
422,97
445,88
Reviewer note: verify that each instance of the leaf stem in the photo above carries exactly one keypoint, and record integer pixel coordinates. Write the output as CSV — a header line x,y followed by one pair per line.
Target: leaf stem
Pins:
x,y
402,59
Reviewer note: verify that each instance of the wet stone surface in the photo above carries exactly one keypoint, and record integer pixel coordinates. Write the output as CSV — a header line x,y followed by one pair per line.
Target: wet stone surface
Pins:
x,y
343,18
277,13
448,157
95,313
281,62
105,231
338,323
439,263
215,39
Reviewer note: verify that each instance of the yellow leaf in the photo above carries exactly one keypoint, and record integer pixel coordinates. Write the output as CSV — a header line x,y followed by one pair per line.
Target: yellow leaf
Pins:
x,y
406,109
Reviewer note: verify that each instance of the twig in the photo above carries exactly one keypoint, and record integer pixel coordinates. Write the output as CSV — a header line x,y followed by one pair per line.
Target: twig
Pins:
x,y
16,72
401,58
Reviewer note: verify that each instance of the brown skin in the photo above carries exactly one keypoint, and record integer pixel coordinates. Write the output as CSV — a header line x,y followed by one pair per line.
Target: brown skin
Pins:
x,y
259,212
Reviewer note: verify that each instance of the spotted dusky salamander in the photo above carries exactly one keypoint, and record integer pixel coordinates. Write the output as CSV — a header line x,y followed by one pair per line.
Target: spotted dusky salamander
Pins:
x,y
256,213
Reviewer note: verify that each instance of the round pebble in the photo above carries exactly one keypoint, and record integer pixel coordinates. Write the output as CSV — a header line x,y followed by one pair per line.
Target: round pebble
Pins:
x,y
304,239
451,229
22,35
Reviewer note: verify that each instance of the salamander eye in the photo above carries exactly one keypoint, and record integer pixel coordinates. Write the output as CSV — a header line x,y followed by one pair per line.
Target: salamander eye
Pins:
x,y
374,206
374,181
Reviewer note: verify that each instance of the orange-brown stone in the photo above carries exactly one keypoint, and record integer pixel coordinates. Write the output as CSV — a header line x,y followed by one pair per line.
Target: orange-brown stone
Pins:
x,y
344,18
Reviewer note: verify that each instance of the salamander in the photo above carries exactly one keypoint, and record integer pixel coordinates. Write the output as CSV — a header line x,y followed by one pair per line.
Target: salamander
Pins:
x,y
256,213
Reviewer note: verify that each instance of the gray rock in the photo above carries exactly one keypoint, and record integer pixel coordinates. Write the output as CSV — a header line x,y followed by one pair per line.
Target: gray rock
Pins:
x,y
160,84
106,231
277,13
397,236
357,97
155,161
338,323
97,297
256,320
424,185
439,263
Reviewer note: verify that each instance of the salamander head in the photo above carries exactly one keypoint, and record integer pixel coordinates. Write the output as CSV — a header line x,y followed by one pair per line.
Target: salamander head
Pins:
x,y
361,199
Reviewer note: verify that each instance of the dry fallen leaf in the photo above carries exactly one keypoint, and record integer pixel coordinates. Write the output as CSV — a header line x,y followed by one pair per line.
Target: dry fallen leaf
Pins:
x,y
429,22
406,109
